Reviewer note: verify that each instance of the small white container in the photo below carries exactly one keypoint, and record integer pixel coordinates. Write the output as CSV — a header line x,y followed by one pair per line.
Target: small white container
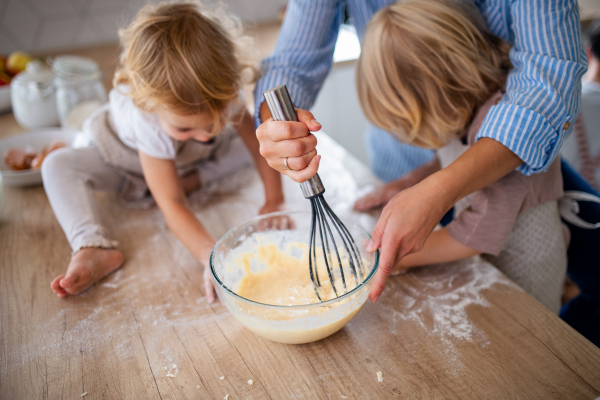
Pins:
x,y
79,89
33,97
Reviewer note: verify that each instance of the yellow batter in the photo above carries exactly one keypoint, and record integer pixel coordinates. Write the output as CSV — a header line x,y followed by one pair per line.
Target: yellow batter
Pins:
x,y
282,278
285,279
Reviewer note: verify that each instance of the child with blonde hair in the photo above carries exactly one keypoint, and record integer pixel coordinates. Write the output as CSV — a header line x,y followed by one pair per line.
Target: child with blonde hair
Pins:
x,y
173,124
430,72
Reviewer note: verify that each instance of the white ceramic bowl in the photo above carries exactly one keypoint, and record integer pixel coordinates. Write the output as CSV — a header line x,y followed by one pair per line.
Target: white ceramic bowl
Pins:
x,y
37,139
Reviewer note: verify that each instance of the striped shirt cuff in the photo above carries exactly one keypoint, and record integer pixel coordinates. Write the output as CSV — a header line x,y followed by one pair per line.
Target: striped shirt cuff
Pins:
x,y
526,133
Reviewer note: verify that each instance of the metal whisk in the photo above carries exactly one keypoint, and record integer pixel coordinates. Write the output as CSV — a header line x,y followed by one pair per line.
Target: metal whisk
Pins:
x,y
324,221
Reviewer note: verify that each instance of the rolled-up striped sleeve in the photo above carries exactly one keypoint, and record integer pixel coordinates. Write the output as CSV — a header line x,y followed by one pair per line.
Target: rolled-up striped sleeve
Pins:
x,y
543,90
304,52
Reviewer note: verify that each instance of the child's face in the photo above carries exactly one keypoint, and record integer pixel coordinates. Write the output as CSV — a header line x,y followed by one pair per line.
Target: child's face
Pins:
x,y
184,127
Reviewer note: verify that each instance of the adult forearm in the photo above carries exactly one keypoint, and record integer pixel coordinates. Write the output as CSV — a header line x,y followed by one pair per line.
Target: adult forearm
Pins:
x,y
483,163
302,58
422,172
543,88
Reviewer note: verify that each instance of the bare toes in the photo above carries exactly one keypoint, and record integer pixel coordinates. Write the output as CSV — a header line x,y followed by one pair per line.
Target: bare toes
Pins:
x,y
76,282
56,288
67,282
55,284
87,266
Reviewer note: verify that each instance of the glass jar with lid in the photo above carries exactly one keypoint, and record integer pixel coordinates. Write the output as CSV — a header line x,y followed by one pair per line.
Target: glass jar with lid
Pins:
x,y
79,89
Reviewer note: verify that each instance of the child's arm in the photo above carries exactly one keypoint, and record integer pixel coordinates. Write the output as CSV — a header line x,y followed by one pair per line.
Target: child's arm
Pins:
x,y
164,184
270,177
381,196
440,247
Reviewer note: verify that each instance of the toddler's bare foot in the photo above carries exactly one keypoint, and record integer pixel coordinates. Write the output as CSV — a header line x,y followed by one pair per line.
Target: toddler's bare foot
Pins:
x,y
87,267
380,196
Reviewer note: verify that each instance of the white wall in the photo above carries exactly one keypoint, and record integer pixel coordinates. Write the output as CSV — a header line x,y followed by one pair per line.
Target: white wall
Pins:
x,y
44,25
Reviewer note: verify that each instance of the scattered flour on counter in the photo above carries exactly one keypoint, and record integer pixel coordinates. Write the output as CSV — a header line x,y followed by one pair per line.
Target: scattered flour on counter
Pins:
x,y
226,397
173,371
380,376
439,304
223,377
84,394
250,382
439,301
132,303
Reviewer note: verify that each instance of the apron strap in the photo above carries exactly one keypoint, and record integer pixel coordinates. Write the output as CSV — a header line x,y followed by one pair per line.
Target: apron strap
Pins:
x,y
569,208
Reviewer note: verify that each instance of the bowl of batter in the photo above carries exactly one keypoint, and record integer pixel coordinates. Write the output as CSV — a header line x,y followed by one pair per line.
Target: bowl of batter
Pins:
x,y
261,274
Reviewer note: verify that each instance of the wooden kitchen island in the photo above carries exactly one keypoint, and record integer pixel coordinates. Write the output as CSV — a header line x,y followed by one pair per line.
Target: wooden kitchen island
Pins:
x,y
461,330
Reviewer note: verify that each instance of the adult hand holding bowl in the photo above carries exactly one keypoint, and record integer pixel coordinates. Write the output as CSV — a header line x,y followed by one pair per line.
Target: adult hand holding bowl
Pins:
x,y
261,275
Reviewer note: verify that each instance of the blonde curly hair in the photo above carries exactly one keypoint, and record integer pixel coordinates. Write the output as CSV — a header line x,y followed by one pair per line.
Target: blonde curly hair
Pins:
x,y
184,58
426,66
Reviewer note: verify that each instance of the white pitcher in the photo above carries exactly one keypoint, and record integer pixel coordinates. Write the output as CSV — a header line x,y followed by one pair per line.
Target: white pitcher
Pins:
x,y
33,97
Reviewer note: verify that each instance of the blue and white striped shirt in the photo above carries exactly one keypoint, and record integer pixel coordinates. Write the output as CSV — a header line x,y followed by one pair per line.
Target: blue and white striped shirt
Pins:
x,y
543,89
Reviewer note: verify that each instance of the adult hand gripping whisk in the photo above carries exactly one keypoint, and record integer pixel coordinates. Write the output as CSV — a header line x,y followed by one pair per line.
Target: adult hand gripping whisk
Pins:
x,y
324,222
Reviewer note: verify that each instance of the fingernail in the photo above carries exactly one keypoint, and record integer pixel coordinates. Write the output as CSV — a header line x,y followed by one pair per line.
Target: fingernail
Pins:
x,y
318,160
374,300
371,247
315,122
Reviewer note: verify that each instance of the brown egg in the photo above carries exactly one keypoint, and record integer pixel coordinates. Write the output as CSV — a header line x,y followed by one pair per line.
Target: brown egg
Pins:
x,y
50,147
36,163
18,159
53,145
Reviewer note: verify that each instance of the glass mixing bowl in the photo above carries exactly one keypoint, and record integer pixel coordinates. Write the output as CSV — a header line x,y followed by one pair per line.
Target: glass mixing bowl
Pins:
x,y
281,323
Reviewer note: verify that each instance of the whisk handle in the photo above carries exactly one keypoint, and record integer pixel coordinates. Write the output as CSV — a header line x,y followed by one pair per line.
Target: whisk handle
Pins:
x,y
282,109
280,104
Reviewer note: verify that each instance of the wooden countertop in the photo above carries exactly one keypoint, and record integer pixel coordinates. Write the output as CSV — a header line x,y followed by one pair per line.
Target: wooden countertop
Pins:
x,y
460,330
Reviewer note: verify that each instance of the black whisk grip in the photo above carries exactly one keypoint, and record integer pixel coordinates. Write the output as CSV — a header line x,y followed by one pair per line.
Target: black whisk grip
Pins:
x,y
282,109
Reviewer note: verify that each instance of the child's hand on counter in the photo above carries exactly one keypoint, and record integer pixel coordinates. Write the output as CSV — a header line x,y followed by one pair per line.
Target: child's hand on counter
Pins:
x,y
271,206
209,287
277,222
